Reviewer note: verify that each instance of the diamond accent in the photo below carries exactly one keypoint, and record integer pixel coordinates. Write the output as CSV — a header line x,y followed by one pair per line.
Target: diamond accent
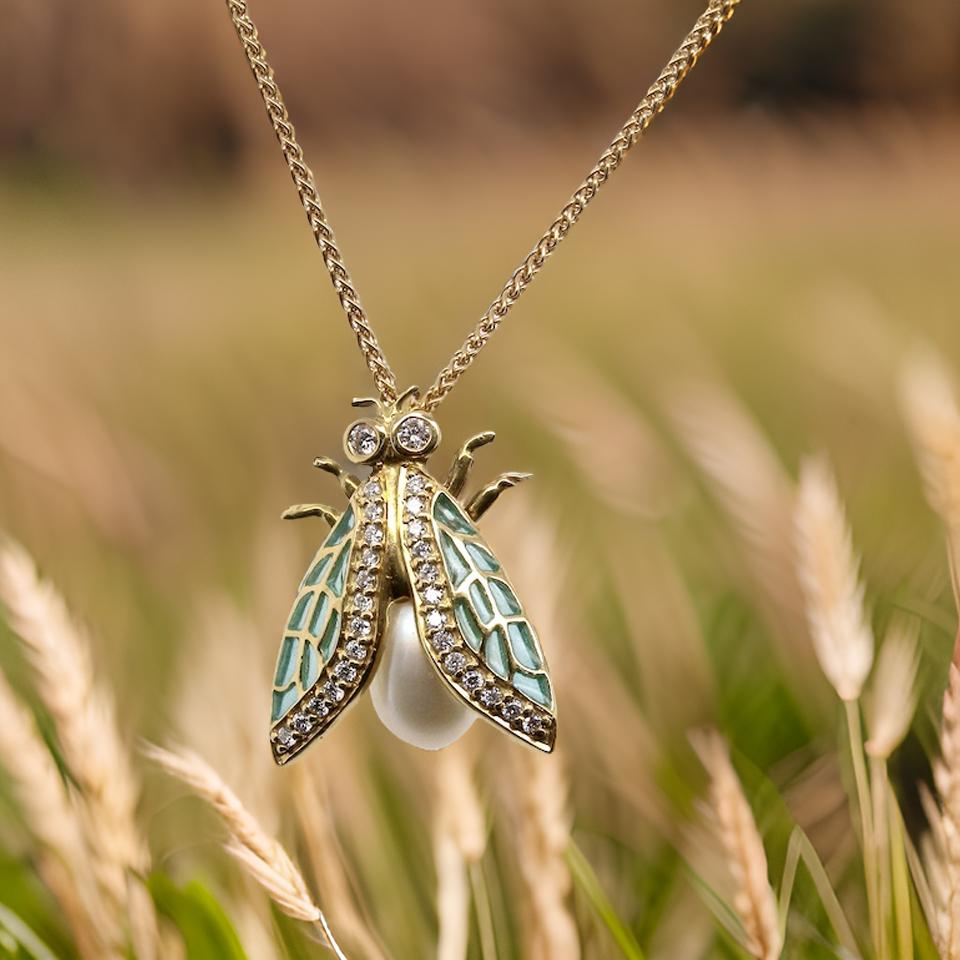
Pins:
x,y
366,580
434,619
416,529
333,692
490,696
454,662
373,534
428,572
360,626
432,595
472,680
356,650
511,709
318,706
416,483
363,440
284,737
301,723
373,510
346,671
421,549
442,641
532,725
369,557
363,603
372,489
414,434
414,505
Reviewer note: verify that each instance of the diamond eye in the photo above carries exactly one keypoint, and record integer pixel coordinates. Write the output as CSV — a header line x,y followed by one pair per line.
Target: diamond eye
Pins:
x,y
416,435
363,441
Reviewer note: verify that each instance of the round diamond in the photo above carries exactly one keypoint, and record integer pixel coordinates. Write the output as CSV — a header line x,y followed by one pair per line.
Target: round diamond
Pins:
x,y
532,724
434,619
372,489
301,723
416,483
428,572
416,529
317,706
373,510
369,558
365,580
511,709
432,595
490,696
442,641
421,549
356,650
346,671
414,434
373,534
363,440
472,679
333,692
454,662
363,603
414,505
360,626
284,737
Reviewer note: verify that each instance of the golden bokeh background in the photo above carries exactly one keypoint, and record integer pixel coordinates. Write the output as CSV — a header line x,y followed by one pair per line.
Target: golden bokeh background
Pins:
x,y
748,285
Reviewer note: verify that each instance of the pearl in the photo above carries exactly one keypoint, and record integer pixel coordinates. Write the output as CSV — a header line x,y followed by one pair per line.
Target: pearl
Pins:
x,y
410,699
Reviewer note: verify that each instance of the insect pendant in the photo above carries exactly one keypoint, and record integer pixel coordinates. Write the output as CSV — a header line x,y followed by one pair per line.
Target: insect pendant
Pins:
x,y
405,540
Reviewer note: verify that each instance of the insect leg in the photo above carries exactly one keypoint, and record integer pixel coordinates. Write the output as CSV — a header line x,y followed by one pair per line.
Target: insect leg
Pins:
x,y
457,476
348,481
300,510
484,499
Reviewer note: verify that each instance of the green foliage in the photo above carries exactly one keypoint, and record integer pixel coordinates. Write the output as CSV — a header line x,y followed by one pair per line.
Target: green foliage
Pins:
x,y
198,917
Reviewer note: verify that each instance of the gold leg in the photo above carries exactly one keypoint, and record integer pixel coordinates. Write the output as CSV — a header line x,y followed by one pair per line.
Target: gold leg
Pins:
x,y
484,499
300,510
348,481
457,477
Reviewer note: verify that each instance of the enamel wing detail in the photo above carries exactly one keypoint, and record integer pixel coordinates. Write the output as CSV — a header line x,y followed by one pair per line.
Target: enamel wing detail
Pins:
x,y
405,537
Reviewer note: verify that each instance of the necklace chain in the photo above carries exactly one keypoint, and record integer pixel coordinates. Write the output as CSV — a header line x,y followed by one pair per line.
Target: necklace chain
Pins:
x,y
704,31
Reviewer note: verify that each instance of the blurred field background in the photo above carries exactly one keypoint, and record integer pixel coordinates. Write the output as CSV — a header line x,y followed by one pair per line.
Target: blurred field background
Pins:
x,y
744,293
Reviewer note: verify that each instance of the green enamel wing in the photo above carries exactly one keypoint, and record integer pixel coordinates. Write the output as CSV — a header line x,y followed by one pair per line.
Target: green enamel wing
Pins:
x,y
313,630
490,618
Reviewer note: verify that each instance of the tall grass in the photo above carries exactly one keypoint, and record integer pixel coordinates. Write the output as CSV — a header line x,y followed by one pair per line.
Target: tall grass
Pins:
x,y
690,566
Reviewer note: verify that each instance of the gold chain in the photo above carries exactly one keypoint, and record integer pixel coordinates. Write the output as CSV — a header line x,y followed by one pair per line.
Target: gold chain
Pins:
x,y
704,31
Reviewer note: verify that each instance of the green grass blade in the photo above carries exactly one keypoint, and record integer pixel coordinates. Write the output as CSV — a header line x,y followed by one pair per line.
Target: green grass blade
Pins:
x,y
21,940
587,881
207,932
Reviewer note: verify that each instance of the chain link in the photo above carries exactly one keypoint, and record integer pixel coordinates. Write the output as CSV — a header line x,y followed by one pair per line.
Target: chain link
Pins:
x,y
383,376
704,31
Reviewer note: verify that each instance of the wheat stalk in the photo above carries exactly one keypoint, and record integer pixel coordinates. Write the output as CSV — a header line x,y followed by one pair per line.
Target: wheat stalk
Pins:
x,y
929,403
312,808
260,854
829,575
85,721
750,484
753,900
543,835
893,693
459,841
942,849
50,816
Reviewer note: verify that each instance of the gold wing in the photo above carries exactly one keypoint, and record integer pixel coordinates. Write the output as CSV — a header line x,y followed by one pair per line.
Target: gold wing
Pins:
x,y
470,621
332,636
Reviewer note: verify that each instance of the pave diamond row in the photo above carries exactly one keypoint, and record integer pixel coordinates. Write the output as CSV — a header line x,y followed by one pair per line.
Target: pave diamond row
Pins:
x,y
495,698
341,677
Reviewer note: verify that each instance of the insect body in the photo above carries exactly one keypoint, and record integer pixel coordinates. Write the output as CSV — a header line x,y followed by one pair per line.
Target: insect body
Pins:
x,y
405,536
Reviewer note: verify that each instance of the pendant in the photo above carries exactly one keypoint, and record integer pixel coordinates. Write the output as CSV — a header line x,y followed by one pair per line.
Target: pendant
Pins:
x,y
404,592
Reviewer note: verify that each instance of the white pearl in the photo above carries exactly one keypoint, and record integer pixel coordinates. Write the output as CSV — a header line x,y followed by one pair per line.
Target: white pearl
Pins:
x,y
411,701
